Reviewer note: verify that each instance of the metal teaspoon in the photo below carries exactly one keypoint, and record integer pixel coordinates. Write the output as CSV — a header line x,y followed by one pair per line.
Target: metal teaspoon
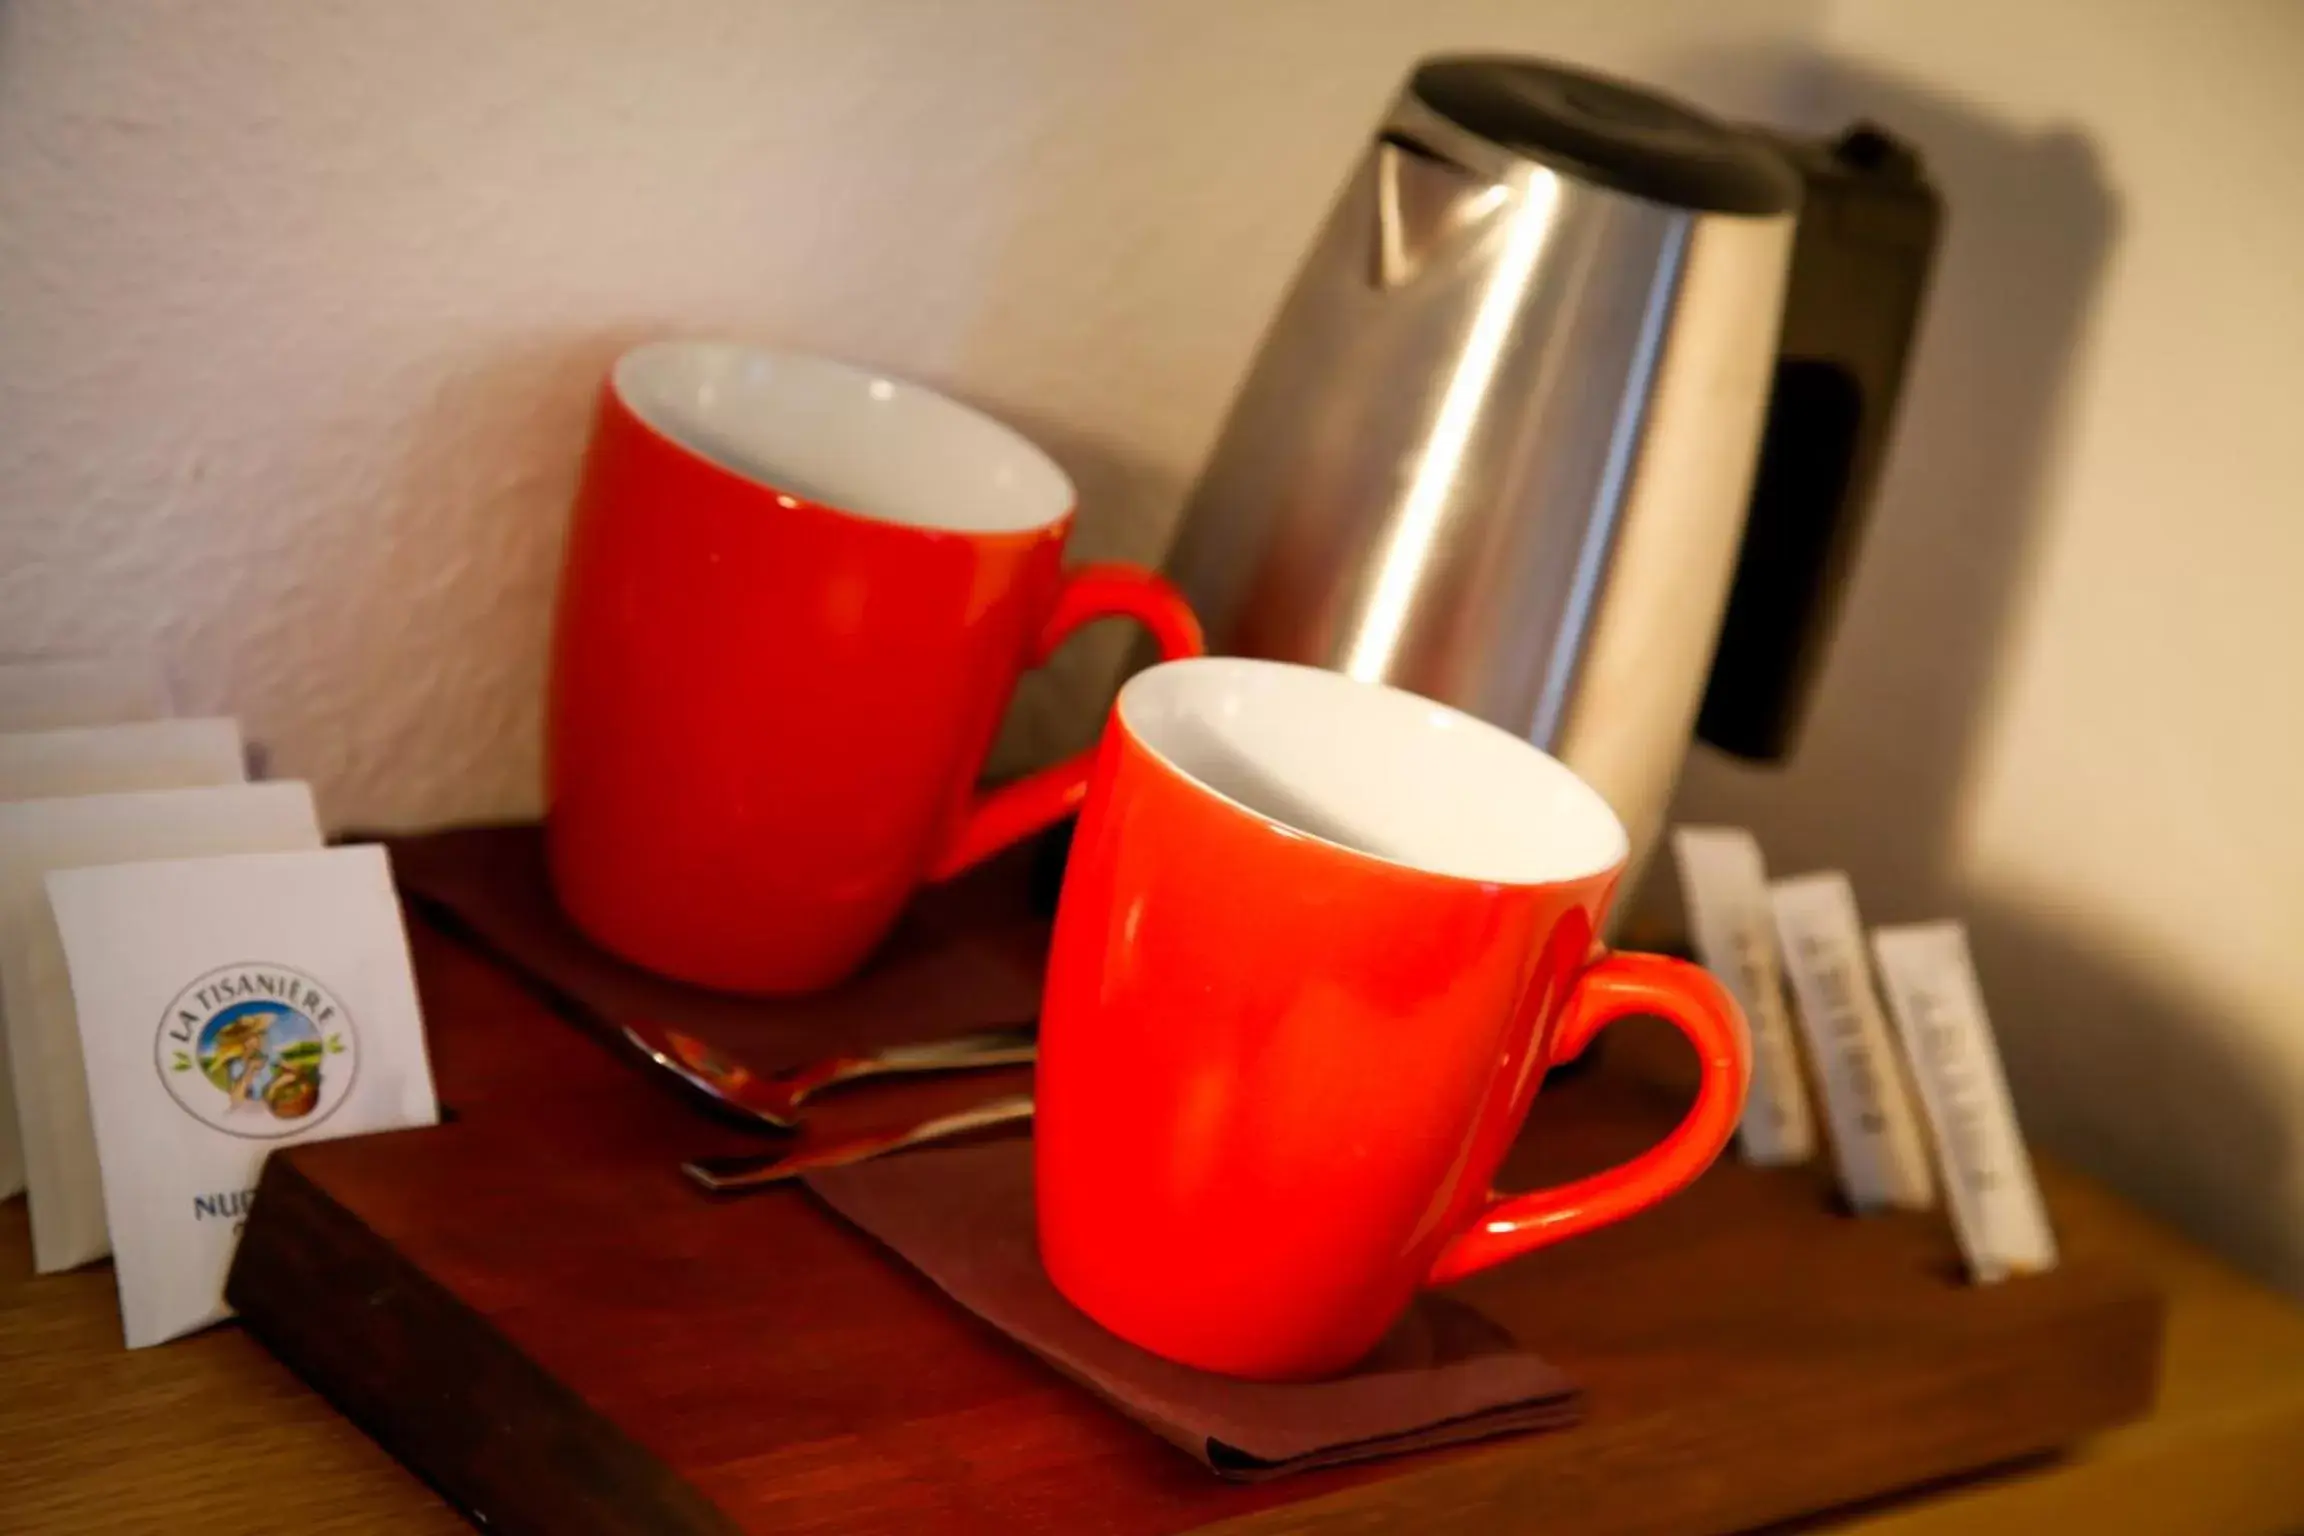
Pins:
x,y
733,1175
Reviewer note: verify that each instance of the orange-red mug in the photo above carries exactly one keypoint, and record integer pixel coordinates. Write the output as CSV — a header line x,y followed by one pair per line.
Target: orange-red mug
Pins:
x,y
796,599
1317,943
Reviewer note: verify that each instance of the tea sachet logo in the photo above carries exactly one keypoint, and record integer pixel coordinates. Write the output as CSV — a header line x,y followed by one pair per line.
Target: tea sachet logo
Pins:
x,y
261,1051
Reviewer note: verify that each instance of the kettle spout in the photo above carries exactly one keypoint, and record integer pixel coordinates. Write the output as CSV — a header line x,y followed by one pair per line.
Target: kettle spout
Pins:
x,y
1423,199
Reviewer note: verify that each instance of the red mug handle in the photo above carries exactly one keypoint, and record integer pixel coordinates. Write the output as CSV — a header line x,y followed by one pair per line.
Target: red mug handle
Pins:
x,y
1508,1226
996,818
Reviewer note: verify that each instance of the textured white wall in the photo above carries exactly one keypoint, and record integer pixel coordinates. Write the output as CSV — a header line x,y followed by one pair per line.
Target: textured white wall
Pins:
x,y
301,305
2066,702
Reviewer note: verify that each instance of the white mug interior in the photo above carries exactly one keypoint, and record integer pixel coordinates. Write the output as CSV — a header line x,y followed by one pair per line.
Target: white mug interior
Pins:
x,y
1373,769
844,437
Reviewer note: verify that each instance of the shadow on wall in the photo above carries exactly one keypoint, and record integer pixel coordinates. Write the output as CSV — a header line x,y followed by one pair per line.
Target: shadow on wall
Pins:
x,y
2111,1066
1126,502
488,475
1880,772
2137,1081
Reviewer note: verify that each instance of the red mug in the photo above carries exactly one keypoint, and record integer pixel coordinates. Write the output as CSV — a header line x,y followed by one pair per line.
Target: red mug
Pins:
x,y
1318,941
796,599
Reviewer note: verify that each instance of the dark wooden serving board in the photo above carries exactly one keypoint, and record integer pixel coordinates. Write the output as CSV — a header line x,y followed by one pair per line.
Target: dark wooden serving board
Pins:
x,y
530,1308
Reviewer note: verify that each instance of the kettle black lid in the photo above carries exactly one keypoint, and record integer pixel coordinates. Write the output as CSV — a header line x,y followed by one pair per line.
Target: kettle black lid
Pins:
x,y
1609,132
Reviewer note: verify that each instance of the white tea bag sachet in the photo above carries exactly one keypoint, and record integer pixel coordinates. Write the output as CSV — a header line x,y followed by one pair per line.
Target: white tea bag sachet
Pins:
x,y
87,690
1724,883
157,754
43,1039
99,759
1877,1144
1933,994
229,1006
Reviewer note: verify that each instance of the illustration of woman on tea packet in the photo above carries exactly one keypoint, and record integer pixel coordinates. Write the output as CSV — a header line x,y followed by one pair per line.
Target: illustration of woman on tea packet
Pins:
x,y
264,1055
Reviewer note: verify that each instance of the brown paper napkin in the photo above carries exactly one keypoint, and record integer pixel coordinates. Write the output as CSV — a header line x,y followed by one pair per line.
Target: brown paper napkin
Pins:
x,y
967,955
962,1216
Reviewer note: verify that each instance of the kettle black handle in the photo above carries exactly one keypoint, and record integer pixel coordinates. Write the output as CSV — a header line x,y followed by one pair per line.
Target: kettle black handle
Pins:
x,y
1861,257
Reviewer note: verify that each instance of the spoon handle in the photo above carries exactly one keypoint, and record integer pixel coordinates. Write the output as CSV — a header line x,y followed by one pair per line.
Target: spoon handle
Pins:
x,y
732,1175
777,1097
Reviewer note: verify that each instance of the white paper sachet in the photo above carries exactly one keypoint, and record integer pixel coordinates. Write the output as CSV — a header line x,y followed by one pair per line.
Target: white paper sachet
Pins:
x,y
229,1006
157,754
1997,1212
1877,1145
1724,884
100,759
43,1039
88,690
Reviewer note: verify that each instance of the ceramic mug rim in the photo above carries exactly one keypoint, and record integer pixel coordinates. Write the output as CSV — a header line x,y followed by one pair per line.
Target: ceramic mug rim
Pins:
x,y
1551,828
961,471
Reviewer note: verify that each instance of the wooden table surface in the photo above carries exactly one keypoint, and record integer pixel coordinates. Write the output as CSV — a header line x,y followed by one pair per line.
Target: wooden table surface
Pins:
x,y
211,1434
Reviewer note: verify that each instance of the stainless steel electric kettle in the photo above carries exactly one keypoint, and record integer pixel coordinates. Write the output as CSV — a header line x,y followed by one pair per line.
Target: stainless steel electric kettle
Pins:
x,y
1499,445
